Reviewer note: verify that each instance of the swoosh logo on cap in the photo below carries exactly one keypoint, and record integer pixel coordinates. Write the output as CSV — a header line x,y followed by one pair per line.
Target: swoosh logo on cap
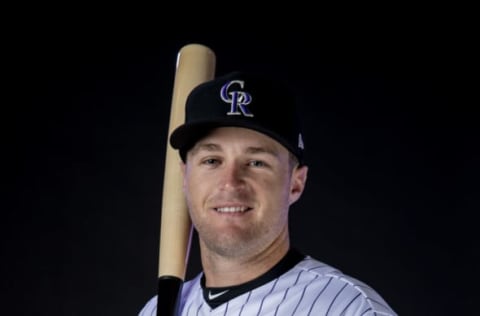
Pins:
x,y
214,296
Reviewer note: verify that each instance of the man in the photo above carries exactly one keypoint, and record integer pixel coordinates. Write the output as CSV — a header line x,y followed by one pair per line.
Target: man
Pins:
x,y
243,167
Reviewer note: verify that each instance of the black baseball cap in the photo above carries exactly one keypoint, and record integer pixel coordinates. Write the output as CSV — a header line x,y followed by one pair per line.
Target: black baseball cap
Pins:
x,y
241,99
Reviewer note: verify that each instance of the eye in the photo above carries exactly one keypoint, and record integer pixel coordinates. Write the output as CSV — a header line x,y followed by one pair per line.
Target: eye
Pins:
x,y
256,163
210,161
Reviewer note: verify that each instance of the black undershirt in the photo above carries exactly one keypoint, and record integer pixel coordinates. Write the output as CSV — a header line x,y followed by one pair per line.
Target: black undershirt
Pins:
x,y
216,296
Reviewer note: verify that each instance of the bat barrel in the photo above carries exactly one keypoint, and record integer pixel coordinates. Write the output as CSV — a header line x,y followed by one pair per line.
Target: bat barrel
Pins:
x,y
195,65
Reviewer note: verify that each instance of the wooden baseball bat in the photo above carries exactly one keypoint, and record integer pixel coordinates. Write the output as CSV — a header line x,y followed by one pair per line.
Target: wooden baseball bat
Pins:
x,y
195,65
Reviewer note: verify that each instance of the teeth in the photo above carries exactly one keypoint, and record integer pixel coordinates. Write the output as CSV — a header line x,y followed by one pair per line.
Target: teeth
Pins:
x,y
232,209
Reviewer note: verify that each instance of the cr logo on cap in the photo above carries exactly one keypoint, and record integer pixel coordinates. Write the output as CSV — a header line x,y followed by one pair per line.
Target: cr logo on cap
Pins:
x,y
238,99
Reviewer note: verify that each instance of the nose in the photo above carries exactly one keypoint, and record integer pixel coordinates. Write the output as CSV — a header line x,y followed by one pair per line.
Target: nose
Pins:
x,y
232,176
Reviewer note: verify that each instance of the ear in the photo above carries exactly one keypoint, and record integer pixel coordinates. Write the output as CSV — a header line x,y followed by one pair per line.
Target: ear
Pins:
x,y
297,184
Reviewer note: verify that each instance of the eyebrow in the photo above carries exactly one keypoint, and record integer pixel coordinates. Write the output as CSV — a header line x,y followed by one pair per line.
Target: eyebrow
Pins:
x,y
262,150
212,147
206,147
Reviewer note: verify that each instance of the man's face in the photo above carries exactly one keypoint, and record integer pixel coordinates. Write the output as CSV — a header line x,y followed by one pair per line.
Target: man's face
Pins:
x,y
239,185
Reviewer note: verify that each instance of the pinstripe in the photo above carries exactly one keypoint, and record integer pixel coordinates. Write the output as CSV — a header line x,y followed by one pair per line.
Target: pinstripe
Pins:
x,y
303,293
335,298
320,293
317,267
350,303
226,309
301,297
189,308
366,311
263,299
248,297
198,309
286,291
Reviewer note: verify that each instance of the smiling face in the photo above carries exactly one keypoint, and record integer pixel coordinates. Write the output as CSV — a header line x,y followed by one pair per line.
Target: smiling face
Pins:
x,y
239,185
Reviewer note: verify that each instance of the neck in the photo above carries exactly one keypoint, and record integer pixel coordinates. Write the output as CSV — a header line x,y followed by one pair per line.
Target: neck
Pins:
x,y
221,271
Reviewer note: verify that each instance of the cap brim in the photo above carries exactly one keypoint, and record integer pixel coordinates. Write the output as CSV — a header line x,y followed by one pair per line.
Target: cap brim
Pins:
x,y
185,136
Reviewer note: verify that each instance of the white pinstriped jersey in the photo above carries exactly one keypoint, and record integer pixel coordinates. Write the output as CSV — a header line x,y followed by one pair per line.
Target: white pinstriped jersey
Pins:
x,y
309,288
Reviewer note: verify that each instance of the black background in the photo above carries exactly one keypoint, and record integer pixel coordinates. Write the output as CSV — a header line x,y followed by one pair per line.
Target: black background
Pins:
x,y
391,141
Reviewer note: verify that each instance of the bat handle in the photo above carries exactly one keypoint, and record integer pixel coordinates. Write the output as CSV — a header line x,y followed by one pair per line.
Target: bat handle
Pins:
x,y
169,290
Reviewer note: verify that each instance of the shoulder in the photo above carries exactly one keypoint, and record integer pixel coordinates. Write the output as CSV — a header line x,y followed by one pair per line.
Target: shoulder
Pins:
x,y
340,291
191,287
